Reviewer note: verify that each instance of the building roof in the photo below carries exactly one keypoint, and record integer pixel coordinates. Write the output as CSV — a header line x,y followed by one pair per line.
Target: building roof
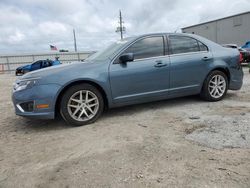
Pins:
x,y
248,12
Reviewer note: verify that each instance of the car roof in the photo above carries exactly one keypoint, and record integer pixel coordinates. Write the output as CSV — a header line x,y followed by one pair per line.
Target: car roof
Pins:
x,y
197,37
179,34
153,34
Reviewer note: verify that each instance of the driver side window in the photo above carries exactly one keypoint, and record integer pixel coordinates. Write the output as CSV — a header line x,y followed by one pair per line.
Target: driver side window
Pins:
x,y
147,47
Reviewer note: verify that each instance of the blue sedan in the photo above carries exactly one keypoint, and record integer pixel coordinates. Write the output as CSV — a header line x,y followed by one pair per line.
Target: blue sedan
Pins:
x,y
247,45
134,70
40,64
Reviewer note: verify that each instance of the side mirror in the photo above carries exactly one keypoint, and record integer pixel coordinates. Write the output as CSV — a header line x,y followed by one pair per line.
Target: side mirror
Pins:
x,y
126,57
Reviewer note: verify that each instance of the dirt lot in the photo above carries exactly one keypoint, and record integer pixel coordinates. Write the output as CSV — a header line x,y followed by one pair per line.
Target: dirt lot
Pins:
x,y
184,142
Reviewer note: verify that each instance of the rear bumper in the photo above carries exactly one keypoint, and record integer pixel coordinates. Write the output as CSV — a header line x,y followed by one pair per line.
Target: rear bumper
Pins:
x,y
235,85
236,80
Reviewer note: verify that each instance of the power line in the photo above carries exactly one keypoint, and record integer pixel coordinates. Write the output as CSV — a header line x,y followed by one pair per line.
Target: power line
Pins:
x,y
120,28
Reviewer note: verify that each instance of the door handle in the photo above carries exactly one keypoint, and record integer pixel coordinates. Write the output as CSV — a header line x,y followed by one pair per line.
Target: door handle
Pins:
x,y
159,63
206,58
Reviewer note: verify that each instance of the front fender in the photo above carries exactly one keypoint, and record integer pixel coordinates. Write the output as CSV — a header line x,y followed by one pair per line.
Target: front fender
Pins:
x,y
102,84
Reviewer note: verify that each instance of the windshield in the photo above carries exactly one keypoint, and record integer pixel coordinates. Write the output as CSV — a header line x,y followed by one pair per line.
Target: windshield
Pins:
x,y
108,52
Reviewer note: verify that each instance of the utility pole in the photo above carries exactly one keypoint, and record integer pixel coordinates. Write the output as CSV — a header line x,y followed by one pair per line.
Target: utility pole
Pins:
x,y
75,40
121,29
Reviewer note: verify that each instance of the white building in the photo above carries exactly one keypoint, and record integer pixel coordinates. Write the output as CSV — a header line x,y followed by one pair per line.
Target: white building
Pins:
x,y
229,30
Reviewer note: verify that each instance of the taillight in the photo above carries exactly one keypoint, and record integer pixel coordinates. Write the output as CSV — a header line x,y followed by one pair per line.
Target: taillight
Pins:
x,y
241,58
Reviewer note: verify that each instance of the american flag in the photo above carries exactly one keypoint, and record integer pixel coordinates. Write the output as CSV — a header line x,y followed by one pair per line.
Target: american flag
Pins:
x,y
53,47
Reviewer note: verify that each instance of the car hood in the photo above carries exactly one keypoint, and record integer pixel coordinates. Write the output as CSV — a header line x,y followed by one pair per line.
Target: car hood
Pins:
x,y
24,67
62,70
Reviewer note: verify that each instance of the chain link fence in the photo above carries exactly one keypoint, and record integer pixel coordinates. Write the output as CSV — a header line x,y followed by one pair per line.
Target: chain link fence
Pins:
x,y
9,63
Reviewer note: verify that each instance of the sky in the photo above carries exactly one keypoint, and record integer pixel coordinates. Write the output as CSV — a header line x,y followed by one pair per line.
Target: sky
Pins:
x,y
28,26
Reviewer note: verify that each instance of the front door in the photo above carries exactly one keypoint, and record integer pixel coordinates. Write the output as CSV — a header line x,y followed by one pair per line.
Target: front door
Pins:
x,y
145,78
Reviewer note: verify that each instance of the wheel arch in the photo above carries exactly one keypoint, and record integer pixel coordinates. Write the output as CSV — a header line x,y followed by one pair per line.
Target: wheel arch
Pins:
x,y
76,82
225,70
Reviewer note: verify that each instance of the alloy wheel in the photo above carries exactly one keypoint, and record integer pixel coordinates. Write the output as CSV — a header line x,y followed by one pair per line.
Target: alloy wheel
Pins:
x,y
217,86
83,105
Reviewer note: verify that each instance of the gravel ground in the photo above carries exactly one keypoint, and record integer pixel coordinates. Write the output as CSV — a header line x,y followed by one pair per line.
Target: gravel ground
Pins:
x,y
184,142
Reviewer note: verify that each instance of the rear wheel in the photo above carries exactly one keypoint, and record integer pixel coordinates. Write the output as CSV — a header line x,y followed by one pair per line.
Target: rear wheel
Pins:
x,y
81,104
215,86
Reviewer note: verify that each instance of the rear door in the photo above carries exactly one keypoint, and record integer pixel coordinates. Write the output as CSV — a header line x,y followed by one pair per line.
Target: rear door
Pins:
x,y
189,61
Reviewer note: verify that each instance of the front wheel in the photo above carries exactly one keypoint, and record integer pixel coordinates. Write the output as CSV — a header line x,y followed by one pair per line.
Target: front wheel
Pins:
x,y
81,104
215,86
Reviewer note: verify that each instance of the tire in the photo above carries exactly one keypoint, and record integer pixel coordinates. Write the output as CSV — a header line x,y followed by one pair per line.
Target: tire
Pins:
x,y
74,109
215,86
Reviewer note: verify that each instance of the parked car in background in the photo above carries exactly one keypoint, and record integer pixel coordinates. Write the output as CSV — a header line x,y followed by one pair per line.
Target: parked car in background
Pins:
x,y
246,46
230,46
134,70
36,65
245,55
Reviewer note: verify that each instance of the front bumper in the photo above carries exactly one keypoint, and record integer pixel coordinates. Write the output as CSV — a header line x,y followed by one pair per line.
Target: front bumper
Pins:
x,y
36,96
19,71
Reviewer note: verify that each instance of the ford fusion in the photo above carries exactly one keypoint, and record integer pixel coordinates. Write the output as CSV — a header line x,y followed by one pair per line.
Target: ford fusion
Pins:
x,y
134,70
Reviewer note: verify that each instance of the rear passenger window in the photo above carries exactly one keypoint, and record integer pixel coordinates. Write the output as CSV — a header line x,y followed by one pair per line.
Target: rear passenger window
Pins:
x,y
183,44
147,47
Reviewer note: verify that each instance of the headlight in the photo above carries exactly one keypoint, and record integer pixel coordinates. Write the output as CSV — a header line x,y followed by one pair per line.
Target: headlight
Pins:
x,y
25,84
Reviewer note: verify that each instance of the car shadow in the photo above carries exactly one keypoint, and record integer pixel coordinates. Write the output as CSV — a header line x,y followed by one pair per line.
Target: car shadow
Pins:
x,y
232,95
59,123
127,110
30,125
